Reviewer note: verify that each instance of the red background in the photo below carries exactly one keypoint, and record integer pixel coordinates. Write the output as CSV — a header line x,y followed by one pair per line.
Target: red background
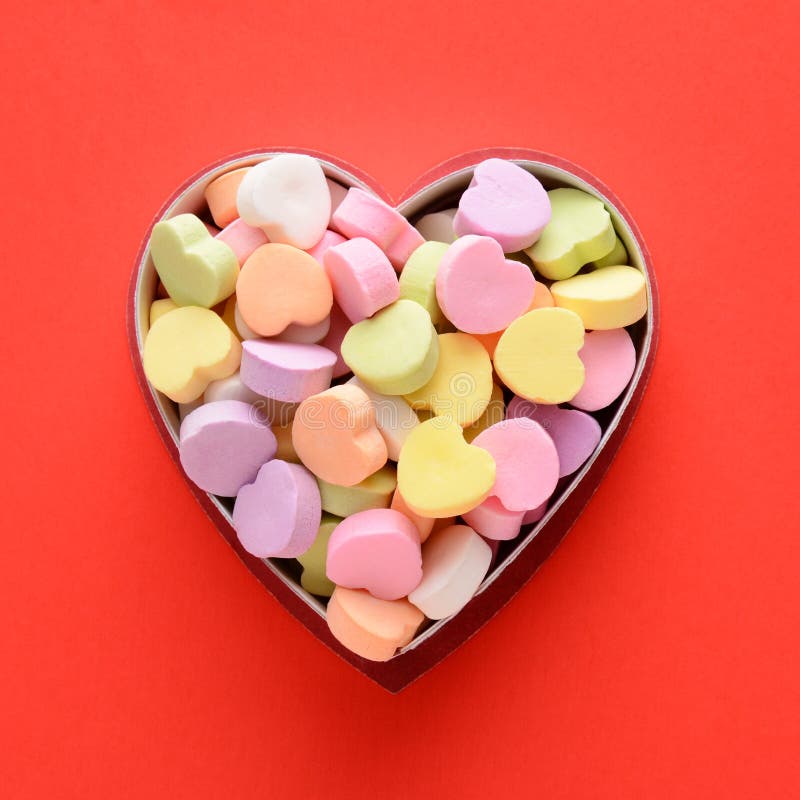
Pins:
x,y
655,655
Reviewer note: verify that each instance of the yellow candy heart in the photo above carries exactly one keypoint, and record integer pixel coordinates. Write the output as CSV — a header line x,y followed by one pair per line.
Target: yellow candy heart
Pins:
x,y
188,348
617,256
495,412
608,298
461,385
579,231
195,268
160,307
537,355
439,474
314,578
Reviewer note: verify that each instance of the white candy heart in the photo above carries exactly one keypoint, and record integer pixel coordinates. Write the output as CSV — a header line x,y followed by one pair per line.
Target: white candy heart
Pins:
x,y
288,198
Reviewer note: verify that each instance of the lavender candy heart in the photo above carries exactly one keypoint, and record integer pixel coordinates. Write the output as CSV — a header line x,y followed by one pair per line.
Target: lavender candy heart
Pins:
x,y
278,515
503,201
574,433
286,371
223,444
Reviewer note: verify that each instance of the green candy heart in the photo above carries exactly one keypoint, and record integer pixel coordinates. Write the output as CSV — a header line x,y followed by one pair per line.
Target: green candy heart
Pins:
x,y
314,578
579,231
195,268
395,351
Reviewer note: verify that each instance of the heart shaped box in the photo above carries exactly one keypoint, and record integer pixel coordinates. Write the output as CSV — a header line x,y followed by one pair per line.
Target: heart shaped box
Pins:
x,y
517,560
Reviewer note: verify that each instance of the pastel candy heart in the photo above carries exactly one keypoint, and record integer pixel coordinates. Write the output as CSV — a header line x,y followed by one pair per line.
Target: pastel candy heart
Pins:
x,y
329,239
574,433
363,214
370,627
394,418
195,268
362,278
160,307
537,355
228,315
187,349
535,514
495,412
526,461
617,256
230,388
242,238
243,330
494,521
505,202
223,445
337,330
579,231
478,289
314,578
305,334
394,352
541,299
455,561
278,515
280,285
375,491
338,194
438,226
608,298
424,524
439,474
288,198
220,195
609,358
377,550
286,371
418,278
461,385
335,436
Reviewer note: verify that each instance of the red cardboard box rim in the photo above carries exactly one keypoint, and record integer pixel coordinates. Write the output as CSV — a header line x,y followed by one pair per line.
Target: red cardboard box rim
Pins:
x,y
528,553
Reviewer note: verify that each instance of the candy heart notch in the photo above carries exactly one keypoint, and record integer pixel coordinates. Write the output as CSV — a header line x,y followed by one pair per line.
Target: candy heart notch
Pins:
x,y
369,627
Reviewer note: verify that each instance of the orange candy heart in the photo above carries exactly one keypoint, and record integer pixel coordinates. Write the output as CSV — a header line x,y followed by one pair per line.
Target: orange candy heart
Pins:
x,y
335,436
280,285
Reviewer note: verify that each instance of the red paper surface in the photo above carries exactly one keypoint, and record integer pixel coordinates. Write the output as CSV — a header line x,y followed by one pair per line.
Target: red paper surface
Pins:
x,y
655,655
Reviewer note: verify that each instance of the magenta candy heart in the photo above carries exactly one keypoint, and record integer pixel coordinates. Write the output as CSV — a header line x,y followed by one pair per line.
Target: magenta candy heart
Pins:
x,y
279,514
479,289
574,433
505,202
223,444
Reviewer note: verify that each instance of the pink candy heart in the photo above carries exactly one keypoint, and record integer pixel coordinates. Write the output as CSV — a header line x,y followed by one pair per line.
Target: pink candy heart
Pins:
x,y
478,289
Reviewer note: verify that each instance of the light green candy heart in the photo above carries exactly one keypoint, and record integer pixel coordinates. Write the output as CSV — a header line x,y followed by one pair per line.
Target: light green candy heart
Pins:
x,y
314,561
617,256
395,351
418,278
195,268
579,231
375,491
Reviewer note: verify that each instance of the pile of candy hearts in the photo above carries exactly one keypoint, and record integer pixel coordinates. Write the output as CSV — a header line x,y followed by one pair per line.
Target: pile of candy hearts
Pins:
x,y
385,402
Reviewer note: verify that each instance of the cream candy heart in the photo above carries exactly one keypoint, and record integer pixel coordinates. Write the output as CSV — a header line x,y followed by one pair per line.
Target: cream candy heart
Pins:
x,y
288,198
